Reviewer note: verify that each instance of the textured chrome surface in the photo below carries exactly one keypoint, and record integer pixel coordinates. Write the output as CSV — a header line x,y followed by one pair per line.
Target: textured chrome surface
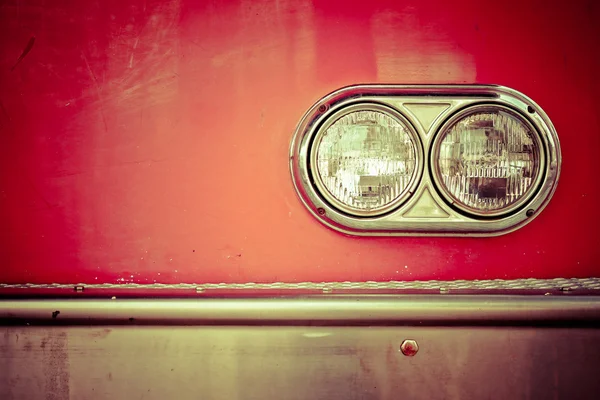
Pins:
x,y
346,363
493,284
425,212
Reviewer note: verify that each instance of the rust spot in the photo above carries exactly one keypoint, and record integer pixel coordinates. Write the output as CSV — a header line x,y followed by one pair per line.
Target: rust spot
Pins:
x,y
55,314
109,376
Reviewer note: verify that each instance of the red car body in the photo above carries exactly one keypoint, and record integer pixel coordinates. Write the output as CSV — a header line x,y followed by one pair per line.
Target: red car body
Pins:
x,y
144,144
147,142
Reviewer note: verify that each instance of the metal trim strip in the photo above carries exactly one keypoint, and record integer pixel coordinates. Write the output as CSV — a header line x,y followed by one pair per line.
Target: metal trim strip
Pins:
x,y
555,284
309,310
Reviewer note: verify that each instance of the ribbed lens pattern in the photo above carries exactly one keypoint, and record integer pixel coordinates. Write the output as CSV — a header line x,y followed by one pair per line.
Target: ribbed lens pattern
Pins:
x,y
366,159
488,160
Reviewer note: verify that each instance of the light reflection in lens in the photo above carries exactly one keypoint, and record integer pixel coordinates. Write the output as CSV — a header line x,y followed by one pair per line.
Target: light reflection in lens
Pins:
x,y
366,160
488,160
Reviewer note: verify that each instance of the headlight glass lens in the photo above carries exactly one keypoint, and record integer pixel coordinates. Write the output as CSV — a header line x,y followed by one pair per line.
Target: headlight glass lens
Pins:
x,y
366,160
488,160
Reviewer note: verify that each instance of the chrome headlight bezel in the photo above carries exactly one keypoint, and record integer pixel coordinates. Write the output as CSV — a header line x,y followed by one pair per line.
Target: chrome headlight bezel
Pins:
x,y
425,210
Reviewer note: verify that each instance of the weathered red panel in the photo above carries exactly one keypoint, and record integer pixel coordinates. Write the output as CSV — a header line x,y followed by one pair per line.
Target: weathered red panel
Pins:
x,y
147,141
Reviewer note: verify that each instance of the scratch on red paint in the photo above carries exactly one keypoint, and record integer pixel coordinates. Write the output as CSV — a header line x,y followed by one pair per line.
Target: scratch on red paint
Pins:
x,y
98,91
26,51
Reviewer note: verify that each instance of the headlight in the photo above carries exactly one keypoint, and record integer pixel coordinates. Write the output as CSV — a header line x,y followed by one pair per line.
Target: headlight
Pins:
x,y
486,160
365,159
412,160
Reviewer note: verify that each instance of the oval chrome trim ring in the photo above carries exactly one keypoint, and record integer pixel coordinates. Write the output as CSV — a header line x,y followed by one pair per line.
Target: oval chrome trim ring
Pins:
x,y
425,212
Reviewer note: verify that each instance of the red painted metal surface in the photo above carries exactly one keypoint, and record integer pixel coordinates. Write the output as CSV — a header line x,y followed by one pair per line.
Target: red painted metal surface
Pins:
x,y
147,141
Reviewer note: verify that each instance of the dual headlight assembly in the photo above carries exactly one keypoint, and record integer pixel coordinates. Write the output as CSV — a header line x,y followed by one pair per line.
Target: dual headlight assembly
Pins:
x,y
425,160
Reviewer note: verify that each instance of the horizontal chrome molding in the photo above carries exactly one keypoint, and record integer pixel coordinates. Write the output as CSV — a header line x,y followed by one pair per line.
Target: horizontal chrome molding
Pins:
x,y
554,284
307,310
